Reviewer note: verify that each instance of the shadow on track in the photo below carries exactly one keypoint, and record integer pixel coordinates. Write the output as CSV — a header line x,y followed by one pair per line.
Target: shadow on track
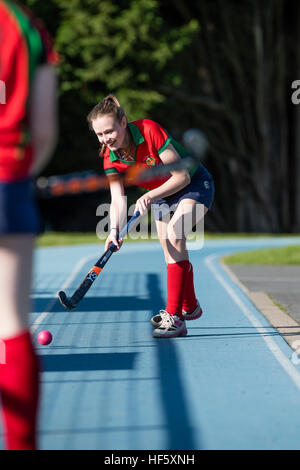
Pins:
x,y
87,362
172,392
91,304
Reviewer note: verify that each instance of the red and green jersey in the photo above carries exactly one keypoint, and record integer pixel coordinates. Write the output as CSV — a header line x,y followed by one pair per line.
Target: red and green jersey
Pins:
x,y
151,140
24,45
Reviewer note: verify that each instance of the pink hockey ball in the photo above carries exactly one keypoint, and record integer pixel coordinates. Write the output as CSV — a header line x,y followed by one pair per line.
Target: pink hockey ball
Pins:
x,y
44,337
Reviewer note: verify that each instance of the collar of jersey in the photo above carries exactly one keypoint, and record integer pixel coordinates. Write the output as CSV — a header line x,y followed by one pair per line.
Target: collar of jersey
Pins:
x,y
137,139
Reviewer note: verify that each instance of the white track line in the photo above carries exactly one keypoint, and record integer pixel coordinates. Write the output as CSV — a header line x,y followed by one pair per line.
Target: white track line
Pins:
x,y
66,284
276,351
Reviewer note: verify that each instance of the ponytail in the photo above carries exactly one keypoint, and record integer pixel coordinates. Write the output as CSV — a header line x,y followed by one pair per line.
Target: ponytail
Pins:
x,y
109,105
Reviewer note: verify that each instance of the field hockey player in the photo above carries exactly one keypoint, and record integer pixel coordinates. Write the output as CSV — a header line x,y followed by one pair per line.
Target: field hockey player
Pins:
x,y
145,142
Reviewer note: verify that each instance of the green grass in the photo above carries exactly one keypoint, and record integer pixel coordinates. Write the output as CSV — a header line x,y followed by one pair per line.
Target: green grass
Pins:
x,y
288,255
79,238
65,238
220,235
281,307
74,238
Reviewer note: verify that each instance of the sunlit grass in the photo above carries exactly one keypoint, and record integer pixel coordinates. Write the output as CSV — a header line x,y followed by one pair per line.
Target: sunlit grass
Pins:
x,y
289,255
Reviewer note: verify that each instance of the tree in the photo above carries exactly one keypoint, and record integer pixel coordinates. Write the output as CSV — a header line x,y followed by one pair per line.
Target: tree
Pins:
x,y
122,47
125,47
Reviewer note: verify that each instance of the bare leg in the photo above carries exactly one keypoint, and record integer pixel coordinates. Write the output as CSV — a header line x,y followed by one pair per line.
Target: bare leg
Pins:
x,y
173,232
15,282
19,373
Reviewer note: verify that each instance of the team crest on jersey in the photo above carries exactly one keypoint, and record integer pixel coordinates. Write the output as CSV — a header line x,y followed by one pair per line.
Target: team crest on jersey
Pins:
x,y
150,161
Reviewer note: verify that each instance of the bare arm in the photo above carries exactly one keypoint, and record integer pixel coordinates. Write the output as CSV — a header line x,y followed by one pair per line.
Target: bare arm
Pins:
x,y
43,116
118,210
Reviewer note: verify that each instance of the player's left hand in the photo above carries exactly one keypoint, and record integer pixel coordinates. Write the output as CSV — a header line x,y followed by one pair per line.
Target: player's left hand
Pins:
x,y
143,204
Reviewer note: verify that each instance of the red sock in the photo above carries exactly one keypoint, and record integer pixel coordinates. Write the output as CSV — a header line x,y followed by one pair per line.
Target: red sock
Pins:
x,y
189,300
19,387
176,280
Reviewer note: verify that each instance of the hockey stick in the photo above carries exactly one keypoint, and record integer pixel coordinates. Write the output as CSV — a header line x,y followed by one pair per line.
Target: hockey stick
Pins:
x,y
89,181
71,302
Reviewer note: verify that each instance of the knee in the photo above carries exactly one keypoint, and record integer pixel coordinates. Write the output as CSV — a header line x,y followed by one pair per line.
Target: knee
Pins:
x,y
175,237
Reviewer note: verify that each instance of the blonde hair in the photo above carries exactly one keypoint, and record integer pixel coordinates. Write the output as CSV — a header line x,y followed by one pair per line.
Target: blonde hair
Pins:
x,y
109,105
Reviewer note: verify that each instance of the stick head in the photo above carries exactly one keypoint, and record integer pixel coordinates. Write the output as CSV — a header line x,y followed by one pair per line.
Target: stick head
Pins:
x,y
65,302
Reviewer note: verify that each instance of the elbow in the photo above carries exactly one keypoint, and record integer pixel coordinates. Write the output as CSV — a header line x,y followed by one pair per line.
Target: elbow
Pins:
x,y
187,179
183,180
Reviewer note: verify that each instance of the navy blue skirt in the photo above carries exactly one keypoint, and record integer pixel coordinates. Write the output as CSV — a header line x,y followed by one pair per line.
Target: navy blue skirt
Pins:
x,y
201,189
18,210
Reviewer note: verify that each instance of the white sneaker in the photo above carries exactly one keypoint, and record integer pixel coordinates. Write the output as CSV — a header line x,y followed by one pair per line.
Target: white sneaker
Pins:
x,y
170,327
157,319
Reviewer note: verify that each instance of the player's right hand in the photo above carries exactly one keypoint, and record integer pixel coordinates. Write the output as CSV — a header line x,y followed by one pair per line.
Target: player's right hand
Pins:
x,y
113,237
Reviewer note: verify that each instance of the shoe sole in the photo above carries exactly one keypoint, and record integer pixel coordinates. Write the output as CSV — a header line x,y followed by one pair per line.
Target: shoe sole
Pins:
x,y
157,335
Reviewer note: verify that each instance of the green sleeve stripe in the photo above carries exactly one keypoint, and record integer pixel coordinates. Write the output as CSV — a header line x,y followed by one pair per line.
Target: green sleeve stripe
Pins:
x,y
163,147
111,170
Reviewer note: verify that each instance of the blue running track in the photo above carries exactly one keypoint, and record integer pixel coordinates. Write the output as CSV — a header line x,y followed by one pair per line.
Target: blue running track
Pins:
x,y
107,384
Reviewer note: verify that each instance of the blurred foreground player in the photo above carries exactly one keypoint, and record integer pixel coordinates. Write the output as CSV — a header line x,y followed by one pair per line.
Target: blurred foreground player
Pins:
x,y
27,140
